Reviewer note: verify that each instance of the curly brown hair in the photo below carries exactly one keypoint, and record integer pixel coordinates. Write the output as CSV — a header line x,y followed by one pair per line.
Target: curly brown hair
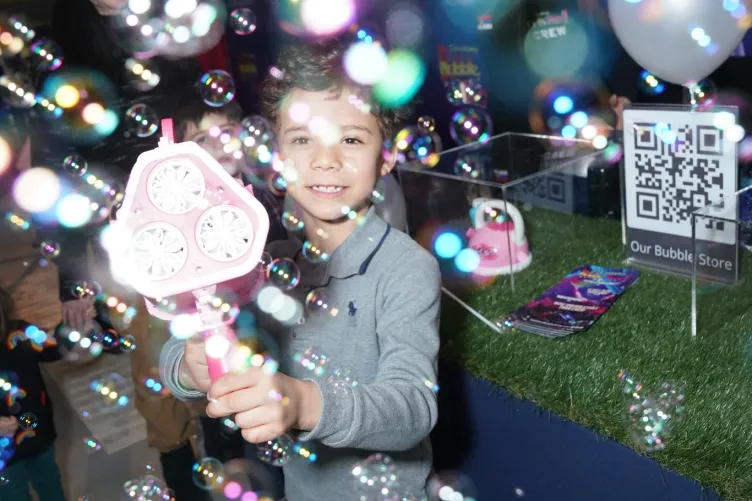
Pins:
x,y
316,67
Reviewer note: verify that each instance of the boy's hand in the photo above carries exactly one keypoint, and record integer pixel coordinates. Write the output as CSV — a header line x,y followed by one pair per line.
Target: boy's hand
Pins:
x,y
8,426
265,406
617,104
194,373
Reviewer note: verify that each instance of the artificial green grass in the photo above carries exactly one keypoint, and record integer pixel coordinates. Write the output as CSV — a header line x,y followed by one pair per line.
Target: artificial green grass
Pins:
x,y
647,332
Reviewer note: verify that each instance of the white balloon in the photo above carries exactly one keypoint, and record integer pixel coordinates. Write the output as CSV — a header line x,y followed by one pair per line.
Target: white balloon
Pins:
x,y
679,41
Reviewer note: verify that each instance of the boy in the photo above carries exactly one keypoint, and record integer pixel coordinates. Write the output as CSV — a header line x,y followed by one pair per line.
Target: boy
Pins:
x,y
386,287
171,422
204,124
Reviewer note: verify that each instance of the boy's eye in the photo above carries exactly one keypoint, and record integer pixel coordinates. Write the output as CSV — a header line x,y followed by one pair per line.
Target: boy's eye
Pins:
x,y
352,140
201,140
301,140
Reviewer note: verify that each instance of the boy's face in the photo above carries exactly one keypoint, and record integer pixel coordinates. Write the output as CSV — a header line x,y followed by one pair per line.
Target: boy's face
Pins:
x,y
209,133
335,149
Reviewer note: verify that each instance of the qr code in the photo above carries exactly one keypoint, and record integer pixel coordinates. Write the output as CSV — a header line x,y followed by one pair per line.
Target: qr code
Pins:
x,y
554,187
677,162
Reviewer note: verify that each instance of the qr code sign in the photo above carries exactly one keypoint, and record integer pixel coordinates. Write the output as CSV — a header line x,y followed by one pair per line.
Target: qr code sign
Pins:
x,y
676,162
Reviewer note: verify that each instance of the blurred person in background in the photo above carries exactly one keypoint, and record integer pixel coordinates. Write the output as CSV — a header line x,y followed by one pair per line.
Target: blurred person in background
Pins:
x,y
27,452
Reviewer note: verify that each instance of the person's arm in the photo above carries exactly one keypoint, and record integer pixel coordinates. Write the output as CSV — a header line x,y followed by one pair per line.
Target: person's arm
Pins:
x,y
169,370
40,343
399,408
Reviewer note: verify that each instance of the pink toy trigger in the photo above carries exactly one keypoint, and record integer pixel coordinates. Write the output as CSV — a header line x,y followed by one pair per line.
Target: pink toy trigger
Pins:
x,y
168,130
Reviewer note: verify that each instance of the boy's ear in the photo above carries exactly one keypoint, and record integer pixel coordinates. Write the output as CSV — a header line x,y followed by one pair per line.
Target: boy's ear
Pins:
x,y
387,166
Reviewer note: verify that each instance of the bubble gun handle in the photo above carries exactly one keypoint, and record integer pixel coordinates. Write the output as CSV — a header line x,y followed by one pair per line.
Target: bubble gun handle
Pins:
x,y
218,345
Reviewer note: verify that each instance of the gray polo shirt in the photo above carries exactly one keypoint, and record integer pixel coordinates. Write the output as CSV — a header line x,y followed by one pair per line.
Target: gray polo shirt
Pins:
x,y
386,333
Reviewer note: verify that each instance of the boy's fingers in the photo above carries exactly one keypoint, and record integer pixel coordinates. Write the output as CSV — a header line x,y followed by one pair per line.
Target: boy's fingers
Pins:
x,y
252,418
239,401
232,382
262,433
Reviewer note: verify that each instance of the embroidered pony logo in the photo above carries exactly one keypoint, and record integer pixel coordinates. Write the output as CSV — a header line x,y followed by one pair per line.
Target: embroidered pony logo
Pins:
x,y
351,309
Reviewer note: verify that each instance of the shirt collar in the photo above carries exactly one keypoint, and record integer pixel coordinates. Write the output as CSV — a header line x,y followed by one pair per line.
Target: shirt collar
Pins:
x,y
353,256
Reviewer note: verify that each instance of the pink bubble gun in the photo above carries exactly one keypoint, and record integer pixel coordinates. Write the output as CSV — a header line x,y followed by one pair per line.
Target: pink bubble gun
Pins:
x,y
184,227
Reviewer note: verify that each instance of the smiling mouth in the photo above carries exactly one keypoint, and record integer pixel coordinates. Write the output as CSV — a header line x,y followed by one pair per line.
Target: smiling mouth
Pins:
x,y
326,190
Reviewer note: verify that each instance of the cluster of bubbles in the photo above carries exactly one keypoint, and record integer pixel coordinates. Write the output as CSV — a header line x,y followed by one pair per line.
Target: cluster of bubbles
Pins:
x,y
148,487
112,388
237,479
415,146
377,478
42,192
470,123
651,417
173,28
17,222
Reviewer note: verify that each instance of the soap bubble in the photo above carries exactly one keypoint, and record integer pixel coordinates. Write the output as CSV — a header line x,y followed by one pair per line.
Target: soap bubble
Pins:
x,y
313,254
312,359
243,21
110,339
470,125
283,273
376,477
217,88
49,249
378,193
127,343
46,54
288,15
265,261
650,84
341,380
208,474
19,26
292,220
81,289
142,73
259,146
306,450
318,300
27,421
277,184
92,444
17,91
450,485
671,398
411,146
465,92
91,104
276,452
141,120
75,165
702,95
631,387
426,124
468,166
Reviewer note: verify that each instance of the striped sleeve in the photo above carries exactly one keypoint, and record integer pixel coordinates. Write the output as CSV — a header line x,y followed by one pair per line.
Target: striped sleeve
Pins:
x,y
169,370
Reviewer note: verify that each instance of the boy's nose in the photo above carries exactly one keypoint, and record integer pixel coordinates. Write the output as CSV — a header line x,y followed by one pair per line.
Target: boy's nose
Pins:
x,y
327,158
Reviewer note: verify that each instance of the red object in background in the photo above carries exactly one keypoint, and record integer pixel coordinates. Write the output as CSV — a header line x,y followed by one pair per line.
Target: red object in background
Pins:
x,y
216,59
